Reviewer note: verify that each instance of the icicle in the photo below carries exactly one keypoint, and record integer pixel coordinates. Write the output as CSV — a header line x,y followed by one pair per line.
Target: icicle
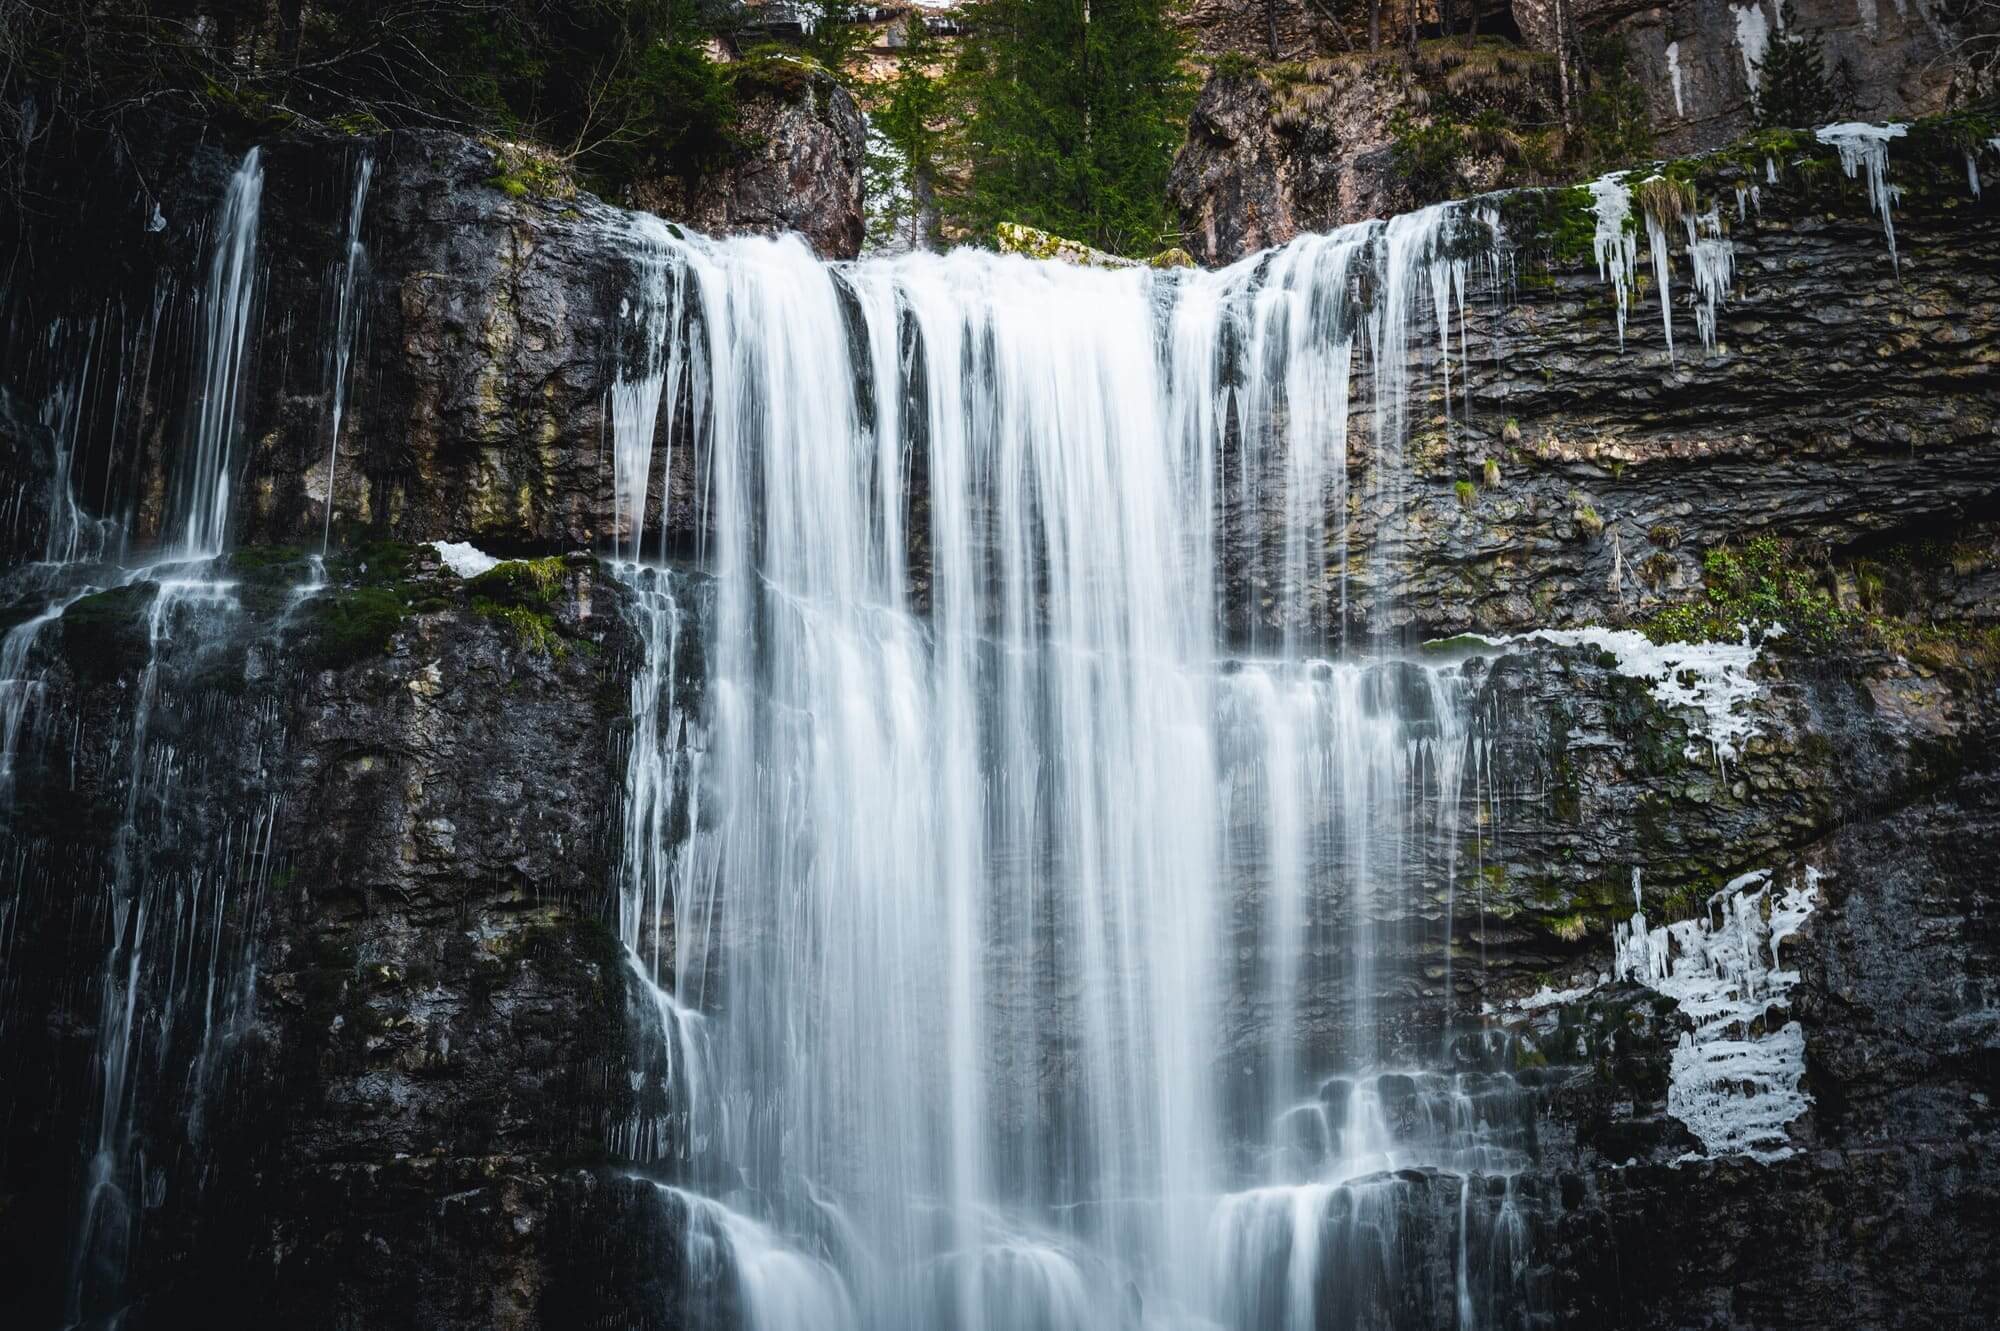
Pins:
x,y
1615,245
1712,255
1861,146
1753,34
1674,76
1663,276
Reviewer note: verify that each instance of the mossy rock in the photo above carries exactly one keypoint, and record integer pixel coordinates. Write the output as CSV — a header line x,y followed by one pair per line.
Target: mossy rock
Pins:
x,y
533,583
110,633
339,628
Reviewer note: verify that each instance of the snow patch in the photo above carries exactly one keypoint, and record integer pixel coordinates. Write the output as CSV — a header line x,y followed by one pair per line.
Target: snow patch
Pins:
x,y
1674,76
1735,1080
464,558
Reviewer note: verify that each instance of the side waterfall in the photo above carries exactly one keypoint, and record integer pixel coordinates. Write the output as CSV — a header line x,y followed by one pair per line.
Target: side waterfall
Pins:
x,y
1010,924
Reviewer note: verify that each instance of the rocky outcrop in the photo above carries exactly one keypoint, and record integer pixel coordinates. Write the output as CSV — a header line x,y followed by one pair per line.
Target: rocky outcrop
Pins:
x,y
1695,58
1310,145
798,168
1867,407
1268,29
391,1030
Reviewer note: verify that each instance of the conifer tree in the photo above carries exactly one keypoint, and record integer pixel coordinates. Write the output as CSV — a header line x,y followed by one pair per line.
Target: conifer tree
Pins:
x,y
1075,110
1794,87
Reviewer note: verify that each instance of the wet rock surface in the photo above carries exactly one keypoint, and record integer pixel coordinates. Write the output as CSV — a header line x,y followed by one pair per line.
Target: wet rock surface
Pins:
x,y
423,1080
425,1037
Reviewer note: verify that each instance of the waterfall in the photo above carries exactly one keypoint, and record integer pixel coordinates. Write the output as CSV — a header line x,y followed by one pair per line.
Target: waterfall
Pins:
x,y
170,901
202,511
1008,838
347,316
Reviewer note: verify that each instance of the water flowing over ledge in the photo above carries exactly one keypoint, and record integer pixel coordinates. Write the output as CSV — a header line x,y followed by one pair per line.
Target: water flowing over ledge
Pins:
x,y
1025,932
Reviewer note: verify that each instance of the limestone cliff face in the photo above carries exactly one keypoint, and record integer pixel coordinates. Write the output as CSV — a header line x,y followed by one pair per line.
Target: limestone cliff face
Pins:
x,y
1697,58
430,1083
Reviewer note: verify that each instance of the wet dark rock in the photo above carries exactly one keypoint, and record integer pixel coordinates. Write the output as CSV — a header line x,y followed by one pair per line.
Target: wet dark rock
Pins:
x,y
438,1043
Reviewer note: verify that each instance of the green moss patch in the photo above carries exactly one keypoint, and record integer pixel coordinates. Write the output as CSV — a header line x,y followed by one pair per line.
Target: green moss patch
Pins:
x,y
109,634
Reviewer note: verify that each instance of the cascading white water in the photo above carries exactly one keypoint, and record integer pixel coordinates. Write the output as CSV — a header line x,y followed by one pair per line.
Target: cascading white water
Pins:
x,y
1006,920
347,315
207,465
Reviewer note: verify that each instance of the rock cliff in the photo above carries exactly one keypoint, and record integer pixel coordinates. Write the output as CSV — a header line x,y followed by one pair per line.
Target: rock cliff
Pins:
x,y
399,1001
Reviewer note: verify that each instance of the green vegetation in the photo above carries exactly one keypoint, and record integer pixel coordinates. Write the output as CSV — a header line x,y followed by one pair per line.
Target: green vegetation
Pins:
x,y
1465,493
358,615
1794,86
609,88
1764,582
1073,116
1483,98
349,625
109,633
520,593
912,118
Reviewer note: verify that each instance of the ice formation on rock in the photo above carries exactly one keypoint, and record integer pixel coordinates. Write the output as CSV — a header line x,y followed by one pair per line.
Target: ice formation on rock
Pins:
x,y
1713,258
1736,1077
1616,247
1711,677
1753,34
1863,145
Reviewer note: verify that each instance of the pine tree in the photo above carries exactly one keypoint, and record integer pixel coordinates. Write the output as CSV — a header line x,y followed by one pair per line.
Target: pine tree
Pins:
x,y
1794,89
1076,109
909,119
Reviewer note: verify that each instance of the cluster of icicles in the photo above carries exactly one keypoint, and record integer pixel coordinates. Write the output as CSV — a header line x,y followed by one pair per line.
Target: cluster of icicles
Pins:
x,y
1711,254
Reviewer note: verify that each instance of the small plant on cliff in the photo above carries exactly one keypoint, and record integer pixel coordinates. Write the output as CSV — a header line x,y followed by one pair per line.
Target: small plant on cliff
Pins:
x,y
1426,154
1612,124
1755,586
